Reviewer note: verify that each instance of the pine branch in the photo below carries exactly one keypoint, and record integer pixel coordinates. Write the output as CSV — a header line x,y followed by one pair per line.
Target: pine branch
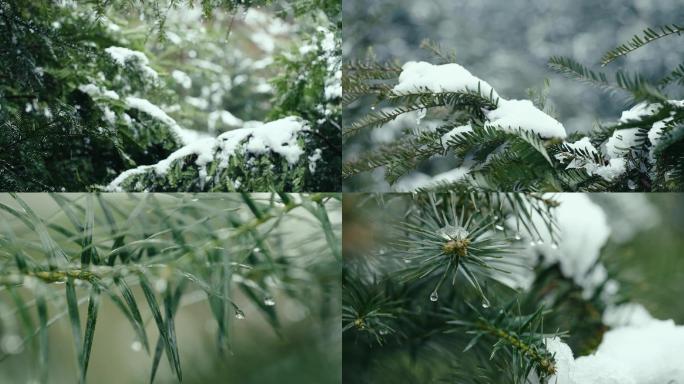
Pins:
x,y
648,35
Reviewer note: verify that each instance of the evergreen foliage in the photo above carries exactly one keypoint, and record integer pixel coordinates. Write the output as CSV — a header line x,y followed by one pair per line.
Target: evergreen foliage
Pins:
x,y
433,289
73,115
145,253
429,139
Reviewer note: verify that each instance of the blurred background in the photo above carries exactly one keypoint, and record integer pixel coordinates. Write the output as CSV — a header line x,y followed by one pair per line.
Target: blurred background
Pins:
x,y
305,349
508,43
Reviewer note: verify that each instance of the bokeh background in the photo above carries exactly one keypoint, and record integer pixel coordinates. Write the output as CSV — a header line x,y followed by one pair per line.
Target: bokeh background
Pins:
x,y
308,349
508,43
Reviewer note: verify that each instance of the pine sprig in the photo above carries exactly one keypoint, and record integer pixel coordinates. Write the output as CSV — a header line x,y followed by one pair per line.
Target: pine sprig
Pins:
x,y
638,41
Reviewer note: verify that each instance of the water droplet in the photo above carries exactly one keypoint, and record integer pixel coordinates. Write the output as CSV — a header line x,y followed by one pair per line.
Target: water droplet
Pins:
x,y
540,242
136,346
499,227
382,251
195,199
532,243
239,314
434,296
517,236
407,261
554,246
256,250
383,331
485,303
269,301
11,344
160,285
372,107
450,232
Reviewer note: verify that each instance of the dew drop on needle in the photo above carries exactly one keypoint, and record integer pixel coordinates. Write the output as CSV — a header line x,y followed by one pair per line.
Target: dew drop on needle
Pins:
x,y
434,296
269,301
136,346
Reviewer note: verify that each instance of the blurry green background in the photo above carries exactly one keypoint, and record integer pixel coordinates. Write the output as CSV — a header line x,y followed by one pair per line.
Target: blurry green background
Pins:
x,y
308,350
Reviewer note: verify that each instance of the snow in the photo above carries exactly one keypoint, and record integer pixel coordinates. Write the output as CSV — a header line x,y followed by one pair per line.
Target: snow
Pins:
x,y
455,132
313,159
629,314
224,117
202,148
109,115
418,76
620,143
155,112
614,169
95,91
411,182
583,230
648,353
451,176
587,159
418,180
333,86
639,111
513,114
279,136
122,56
182,78
263,40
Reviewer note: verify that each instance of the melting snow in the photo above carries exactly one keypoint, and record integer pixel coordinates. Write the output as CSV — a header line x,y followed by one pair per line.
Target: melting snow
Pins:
x,y
279,136
122,56
513,114
95,91
418,76
155,112
182,78
645,353
455,132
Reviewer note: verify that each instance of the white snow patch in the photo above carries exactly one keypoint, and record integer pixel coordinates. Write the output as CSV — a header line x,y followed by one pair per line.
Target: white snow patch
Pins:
x,y
417,180
203,148
582,231
157,113
225,118
513,114
648,353
313,159
122,56
639,111
621,142
418,76
411,182
279,136
629,314
586,156
182,78
95,91
458,131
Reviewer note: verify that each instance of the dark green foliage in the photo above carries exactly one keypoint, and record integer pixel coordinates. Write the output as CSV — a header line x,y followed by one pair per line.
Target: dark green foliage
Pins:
x,y
59,136
427,296
503,160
